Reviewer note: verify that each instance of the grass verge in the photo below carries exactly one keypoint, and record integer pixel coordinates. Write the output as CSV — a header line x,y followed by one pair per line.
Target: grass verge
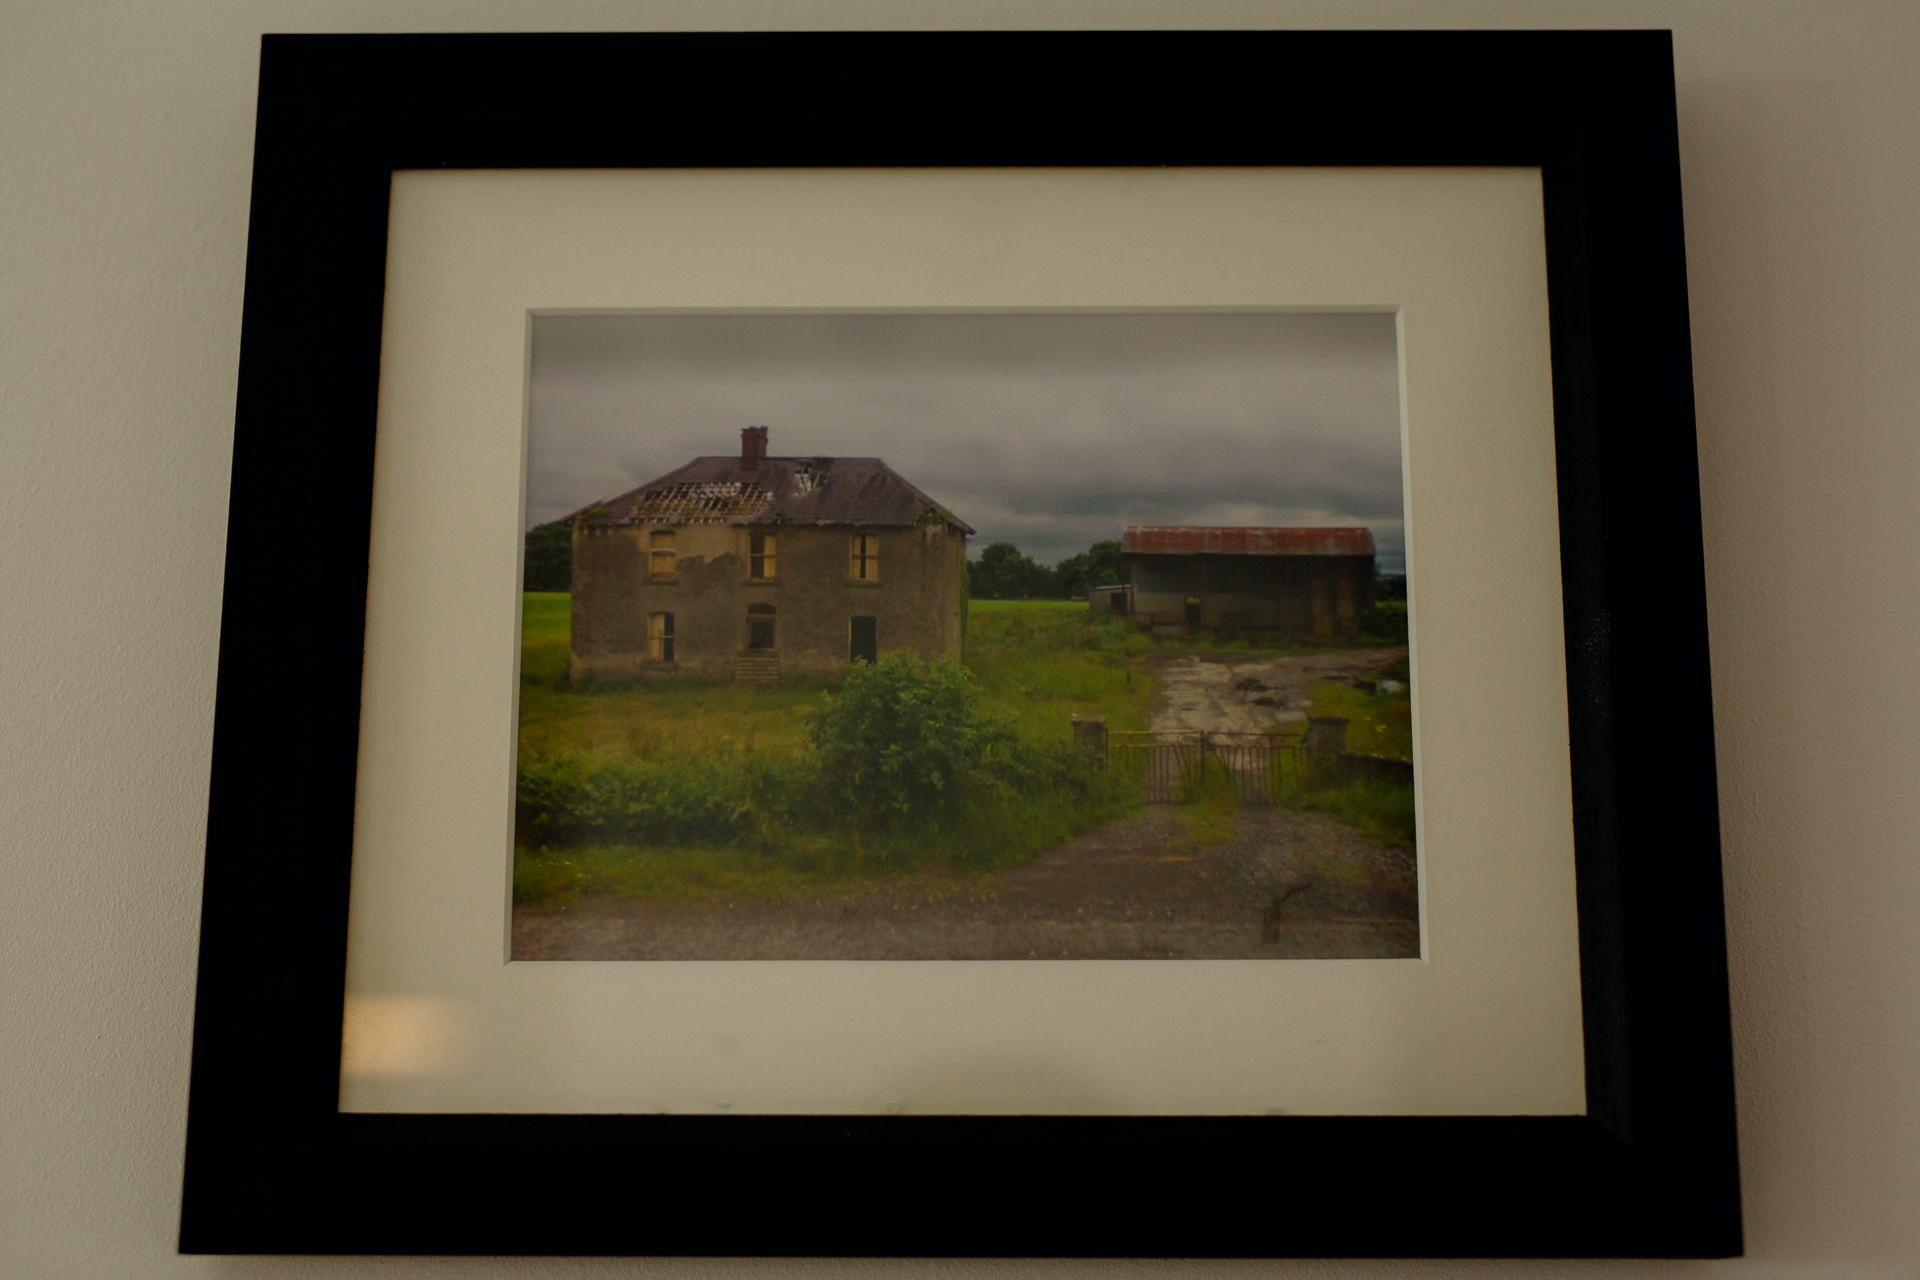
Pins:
x,y
1209,805
1377,725
1383,810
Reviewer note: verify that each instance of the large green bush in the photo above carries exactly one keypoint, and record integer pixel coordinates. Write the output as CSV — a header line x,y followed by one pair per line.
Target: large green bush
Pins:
x,y
907,741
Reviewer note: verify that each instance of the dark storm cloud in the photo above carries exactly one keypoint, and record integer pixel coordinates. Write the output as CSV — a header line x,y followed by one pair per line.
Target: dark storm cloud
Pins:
x,y
1051,431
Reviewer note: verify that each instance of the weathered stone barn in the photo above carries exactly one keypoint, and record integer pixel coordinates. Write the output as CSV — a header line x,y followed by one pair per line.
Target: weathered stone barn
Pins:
x,y
752,567
1315,582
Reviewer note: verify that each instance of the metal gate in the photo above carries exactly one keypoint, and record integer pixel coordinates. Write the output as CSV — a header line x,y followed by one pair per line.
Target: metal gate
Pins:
x,y
1260,764
1165,763
1172,764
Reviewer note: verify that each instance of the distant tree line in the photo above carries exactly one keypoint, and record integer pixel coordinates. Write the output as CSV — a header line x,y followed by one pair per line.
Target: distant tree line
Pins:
x,y
1004,572
549,565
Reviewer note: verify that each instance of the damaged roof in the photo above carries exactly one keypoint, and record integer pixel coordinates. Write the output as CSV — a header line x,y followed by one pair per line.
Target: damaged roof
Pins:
x,y
1191,540
763,491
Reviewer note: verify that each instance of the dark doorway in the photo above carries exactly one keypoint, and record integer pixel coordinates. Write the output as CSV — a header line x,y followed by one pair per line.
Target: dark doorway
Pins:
x,y
660,637
866,641
759,626
1193,611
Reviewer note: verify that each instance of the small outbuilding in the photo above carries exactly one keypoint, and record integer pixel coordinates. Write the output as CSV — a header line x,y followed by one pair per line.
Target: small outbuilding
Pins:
x,y
1315,582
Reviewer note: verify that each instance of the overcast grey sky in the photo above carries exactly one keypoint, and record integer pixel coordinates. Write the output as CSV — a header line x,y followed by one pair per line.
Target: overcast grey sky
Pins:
x,y
1049,431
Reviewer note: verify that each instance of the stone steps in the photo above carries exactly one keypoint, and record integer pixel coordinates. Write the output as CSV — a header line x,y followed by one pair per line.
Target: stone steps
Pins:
x,y
757,668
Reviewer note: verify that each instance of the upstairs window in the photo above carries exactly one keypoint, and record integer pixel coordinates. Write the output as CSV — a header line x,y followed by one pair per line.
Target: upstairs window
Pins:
x,y
660,636
866,558
661,562
760,562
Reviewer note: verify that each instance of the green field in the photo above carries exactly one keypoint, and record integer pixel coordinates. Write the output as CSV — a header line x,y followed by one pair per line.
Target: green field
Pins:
x,y
1035,661
978,607
721,764
694,790
1377,725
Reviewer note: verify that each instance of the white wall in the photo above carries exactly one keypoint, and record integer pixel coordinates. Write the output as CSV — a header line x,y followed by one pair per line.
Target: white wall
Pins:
x,y
125,136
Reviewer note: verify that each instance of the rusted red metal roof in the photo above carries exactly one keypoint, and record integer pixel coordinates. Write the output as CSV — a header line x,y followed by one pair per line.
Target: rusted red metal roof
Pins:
x,y
1192,540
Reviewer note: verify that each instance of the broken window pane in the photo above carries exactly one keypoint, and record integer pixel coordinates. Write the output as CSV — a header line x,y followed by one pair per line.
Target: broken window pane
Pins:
x,y
662,563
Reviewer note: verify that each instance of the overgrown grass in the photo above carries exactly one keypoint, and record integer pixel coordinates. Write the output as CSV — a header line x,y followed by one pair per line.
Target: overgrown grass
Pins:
x,y
1040,665
688,791
635,871
1382,810
1035,661
691,790
546,630
1377,724
746,826
1209,805
1384,626
617,723
665,721
978,607
1267,643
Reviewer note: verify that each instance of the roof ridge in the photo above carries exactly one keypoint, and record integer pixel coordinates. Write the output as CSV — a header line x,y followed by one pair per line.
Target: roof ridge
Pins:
x,y
850,489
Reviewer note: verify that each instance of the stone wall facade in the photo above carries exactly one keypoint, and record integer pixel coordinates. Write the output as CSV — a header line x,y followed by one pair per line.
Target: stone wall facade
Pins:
x,y
812,604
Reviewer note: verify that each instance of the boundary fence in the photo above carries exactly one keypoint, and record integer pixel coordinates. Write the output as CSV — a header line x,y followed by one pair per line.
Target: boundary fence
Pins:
x,y
1171,764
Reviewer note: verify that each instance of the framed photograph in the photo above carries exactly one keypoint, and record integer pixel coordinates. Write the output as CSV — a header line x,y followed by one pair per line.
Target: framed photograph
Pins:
x,y
772,709
818,660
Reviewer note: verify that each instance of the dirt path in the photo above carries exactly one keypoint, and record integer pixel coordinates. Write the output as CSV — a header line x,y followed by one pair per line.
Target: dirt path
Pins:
x,y
1221,693
1287,885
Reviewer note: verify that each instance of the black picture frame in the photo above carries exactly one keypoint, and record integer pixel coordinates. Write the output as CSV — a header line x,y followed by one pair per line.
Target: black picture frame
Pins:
x,y
274,1167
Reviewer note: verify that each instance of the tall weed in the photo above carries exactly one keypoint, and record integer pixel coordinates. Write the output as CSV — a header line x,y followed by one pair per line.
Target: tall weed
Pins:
x,y
1383,810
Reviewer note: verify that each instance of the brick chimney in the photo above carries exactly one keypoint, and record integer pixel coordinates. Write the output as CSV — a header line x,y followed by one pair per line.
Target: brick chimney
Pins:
x,y
753,447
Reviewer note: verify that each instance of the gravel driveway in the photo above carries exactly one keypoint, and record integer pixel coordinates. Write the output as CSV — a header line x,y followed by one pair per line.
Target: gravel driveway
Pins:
x,y
1220,693
1287,885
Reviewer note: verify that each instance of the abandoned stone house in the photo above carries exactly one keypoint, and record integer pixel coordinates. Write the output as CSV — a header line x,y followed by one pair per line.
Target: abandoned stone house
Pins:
x,y
752,567
1314,582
